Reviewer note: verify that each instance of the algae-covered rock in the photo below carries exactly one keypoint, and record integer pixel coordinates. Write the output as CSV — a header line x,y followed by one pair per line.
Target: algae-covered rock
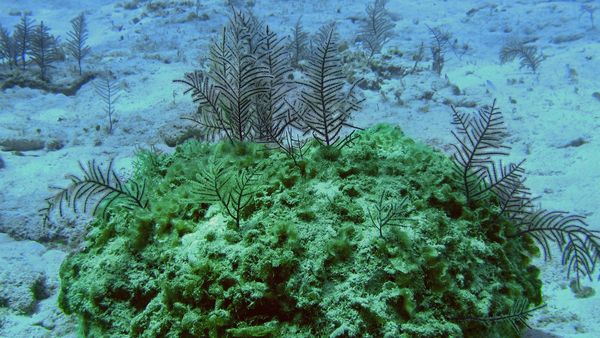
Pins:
x,y
297,252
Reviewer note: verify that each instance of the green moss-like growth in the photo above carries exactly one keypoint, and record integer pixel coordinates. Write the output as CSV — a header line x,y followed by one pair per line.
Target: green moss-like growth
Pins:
x,y
304,261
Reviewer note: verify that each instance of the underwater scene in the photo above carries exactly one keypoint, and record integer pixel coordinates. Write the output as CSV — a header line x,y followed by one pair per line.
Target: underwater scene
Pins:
x,y
271,168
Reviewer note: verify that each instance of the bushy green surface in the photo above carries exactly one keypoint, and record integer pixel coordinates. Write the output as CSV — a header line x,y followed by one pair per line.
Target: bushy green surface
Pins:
x,y
306,261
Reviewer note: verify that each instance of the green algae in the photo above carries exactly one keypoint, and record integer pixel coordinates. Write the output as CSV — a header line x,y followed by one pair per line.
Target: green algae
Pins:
x,y
305,260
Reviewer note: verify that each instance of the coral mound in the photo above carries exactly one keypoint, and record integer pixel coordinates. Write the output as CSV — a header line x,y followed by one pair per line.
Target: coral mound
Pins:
x,y
303,256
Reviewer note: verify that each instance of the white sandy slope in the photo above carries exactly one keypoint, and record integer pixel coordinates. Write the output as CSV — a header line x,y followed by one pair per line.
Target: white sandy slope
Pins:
x,y
543,111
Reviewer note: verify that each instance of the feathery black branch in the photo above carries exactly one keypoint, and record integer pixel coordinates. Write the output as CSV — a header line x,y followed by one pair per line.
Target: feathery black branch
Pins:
x,y
529,55
503,179
441,38
214,187
281,135
77,38
580,246
210,113
212,182
43,51
439,47
239,86
386,213
517,317
227,94
8,48
328,109
299,45
378,29
479,138
96,188
247,28
272,115
515,198
241,194
295,148
580,255
109,93
24,37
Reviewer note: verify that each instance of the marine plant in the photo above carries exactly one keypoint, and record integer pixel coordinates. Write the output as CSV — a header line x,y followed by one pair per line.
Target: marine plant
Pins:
x,y
378,29
440,42
234,239
294,255
31,44
479,141
517,317
590,10
24,38
529,55
480,138
43,52
108,90
228,95
77,37
386,212
326,109
214,186
246,94
8,48
96,189
298,46
272,115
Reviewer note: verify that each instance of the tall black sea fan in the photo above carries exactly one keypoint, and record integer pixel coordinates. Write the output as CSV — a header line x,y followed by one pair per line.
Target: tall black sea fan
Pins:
x,y
42,49
237,85
299,44
327,106
479,139
248,28
378,29
77,38
238,79
272,116
227,93
23,36
8,48
109,93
